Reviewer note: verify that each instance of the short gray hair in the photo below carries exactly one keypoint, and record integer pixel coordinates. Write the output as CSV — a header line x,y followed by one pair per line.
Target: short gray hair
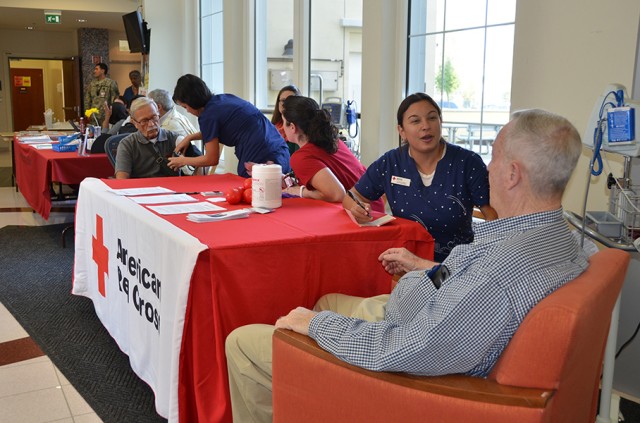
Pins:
x,y
141,102
547,145
162,97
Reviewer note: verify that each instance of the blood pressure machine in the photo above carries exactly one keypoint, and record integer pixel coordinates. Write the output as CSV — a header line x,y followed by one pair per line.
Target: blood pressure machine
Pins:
x,y
613,127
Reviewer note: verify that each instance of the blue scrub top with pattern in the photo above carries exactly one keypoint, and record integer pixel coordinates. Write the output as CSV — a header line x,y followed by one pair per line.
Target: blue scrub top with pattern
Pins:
x,y
445,208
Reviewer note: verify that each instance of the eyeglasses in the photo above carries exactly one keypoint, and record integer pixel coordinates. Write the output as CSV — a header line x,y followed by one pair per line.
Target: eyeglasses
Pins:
x,y
145,122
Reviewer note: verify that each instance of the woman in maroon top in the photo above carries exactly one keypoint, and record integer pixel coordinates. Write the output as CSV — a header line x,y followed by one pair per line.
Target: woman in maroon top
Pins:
x,y
324,165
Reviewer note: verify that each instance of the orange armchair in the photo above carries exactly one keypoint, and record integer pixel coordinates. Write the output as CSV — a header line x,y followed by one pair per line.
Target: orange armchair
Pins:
x,y
549,371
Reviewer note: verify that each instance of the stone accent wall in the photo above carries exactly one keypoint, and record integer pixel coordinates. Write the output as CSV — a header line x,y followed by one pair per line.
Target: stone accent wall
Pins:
x,y
93,48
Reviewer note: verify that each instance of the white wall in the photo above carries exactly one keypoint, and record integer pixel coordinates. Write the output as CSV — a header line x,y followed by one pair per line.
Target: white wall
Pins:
x,y
175,43
175,48
566,52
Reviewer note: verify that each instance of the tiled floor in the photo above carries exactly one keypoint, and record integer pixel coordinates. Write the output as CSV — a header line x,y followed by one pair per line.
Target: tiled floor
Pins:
x,y
33,390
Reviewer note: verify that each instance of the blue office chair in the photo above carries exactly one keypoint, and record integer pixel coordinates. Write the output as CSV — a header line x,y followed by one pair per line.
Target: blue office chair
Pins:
x,y
111,147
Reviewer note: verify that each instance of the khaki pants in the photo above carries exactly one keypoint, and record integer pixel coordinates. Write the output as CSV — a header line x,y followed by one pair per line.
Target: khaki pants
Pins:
x,y
249,349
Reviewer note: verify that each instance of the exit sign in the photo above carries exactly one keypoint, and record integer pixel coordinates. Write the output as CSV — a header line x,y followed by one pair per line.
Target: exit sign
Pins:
x,y
52,18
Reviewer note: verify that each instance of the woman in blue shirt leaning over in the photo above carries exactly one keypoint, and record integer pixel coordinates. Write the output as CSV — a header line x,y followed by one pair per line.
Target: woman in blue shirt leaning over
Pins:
x,y
231,121
427,180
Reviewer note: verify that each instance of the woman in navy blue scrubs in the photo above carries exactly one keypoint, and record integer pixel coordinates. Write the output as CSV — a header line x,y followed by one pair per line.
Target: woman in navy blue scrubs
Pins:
x,y
231,121
427,179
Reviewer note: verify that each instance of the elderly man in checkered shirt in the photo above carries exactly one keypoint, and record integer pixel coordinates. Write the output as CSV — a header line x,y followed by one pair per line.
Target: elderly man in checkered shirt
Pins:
x,y
451,317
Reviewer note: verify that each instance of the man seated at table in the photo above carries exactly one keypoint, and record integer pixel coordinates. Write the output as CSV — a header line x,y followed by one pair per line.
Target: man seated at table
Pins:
x,y
170,118
458,316
143,154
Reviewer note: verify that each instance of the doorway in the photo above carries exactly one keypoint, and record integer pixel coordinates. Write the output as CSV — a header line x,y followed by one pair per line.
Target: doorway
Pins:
x,y
42,84
27,98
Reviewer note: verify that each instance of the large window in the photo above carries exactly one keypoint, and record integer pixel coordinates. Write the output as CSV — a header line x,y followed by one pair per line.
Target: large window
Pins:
x,y
313,44
211,42
461,53
336,62
274,50
333,55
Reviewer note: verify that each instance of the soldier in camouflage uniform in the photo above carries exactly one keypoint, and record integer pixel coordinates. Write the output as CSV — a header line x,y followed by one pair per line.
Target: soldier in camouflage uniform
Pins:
x,y
100,90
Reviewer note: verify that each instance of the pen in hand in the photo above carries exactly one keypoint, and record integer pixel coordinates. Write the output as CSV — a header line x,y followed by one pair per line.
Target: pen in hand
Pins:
x,y
353,197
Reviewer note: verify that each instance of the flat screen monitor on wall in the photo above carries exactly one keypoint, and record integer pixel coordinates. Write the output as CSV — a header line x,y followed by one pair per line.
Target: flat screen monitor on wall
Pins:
x,y
138,35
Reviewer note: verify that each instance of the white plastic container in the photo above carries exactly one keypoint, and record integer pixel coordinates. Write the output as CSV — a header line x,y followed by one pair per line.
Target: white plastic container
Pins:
x,y
48,119
266,186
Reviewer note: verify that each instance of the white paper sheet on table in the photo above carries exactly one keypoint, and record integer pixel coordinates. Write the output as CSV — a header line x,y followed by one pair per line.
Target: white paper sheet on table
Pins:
x,y
186,208
30,139
162,199
141,191
43,146
230,215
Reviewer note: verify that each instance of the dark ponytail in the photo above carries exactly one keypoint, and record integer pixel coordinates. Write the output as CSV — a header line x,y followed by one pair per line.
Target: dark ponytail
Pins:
x,y
314,122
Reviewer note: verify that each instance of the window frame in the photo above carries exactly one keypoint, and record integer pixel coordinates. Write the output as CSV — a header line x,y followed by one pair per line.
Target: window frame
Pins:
x,y
418,31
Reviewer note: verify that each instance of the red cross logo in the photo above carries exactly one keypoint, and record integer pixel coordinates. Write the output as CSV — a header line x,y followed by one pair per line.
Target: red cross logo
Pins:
x,y
100,255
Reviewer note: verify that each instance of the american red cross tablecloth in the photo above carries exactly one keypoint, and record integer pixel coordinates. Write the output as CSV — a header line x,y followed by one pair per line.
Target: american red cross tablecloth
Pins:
x,y
222,275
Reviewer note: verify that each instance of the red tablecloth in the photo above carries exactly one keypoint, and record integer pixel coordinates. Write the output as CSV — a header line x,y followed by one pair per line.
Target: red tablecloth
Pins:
x,y
36,169
256,270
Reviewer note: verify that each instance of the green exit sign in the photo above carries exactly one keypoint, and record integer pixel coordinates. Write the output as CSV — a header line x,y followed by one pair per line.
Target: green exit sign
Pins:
x,y
52,19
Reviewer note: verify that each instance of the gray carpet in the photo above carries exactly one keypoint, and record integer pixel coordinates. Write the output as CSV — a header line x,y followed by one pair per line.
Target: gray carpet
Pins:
x,y
35,286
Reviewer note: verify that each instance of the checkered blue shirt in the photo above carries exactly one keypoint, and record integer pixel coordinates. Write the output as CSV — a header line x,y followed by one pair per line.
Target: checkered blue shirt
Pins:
x,y
464,326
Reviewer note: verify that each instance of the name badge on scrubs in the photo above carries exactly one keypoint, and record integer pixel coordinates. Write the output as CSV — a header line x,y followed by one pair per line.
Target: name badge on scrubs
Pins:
x,y
400,181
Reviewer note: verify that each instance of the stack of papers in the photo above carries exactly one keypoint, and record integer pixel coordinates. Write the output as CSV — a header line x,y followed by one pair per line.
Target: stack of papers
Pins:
x,y
43,146
31,139
215,217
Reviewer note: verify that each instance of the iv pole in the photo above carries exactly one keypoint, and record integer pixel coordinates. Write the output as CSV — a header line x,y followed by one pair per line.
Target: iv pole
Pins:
x,y
606,385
